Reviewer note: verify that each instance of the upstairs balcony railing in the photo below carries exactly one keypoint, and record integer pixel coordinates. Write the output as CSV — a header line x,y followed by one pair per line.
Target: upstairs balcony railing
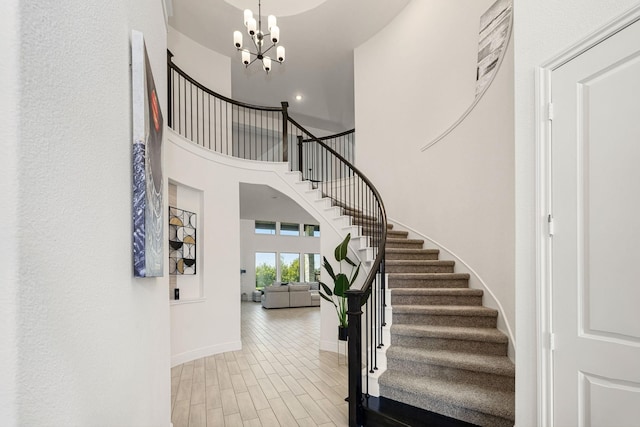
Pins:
x,y
253,132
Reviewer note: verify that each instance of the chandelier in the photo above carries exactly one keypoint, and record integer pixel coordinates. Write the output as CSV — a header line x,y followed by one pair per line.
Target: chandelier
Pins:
x,y
258,37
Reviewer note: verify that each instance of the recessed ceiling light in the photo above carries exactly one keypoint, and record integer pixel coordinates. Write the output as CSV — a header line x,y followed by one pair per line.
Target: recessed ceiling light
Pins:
x,y
298,97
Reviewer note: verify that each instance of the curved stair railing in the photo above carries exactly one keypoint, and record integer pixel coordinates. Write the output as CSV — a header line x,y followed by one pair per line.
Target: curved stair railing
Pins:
x,y
269,134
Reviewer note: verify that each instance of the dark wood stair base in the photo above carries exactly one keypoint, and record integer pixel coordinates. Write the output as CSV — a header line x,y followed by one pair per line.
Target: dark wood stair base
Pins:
x,y
383,412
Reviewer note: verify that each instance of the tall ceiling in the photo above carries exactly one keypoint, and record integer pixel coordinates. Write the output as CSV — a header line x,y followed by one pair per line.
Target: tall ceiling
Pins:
x,y
319,37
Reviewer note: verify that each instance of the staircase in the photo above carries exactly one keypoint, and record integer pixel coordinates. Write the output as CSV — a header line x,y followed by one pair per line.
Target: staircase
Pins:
x,y
446,355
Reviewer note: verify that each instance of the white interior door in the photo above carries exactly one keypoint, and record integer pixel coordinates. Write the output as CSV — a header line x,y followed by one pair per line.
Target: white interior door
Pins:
x,y
595,202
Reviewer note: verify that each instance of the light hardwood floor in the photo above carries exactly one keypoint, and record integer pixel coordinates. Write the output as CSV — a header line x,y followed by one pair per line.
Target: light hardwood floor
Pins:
x,y
279,378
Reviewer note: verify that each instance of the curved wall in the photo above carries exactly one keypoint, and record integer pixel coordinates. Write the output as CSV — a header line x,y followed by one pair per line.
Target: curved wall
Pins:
x,y
211,324
459,192
210,68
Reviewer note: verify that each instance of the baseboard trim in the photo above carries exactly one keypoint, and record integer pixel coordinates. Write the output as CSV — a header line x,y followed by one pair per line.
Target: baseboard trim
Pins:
x,y
199,353
331,346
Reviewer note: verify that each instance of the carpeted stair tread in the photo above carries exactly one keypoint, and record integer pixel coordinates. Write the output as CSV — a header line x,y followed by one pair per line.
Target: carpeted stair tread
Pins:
x,y
411,253
367,222
418,262
437,291
391,240
446,310
397,234
430,276
419,266
451,332
440,395
490,364
358,214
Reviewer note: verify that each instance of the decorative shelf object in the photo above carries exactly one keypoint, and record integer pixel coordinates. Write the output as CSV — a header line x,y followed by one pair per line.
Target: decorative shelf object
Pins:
x,y
182,242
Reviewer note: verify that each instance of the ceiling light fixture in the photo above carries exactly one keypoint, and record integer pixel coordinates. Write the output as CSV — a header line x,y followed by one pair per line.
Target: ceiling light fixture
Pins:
x,y
258,38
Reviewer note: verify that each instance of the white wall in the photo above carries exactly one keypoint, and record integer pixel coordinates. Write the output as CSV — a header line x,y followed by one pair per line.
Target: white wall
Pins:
x,y
432,48
92,341
460,191
250,243
543,28
212,324
196,324
9,142
210,68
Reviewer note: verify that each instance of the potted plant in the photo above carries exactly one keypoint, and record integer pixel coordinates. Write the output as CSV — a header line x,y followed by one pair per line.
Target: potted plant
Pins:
x,y
341,283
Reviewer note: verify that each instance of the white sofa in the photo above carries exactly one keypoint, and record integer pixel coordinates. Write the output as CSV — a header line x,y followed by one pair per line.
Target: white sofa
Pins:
x,y
293,294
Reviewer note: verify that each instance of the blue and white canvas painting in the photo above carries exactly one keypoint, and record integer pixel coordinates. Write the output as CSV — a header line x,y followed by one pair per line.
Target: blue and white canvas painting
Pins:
x,y
148,214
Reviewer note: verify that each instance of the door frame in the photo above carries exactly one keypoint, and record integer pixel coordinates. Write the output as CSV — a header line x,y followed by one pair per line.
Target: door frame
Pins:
x,y
543,208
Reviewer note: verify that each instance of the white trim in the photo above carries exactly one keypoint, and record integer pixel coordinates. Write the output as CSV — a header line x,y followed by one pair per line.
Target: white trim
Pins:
x,y
199,353
473,273
543,246
328,346
167,11
187,301
544,306
477,98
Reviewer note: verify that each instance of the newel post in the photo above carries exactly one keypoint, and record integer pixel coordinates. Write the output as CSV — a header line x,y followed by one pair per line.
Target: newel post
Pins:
x,y
300,156
169,90
354,312
285,127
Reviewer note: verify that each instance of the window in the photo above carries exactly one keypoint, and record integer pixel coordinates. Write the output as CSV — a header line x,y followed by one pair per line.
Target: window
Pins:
x,y
289,229
311,267
265,269
312,230
289,267
265,227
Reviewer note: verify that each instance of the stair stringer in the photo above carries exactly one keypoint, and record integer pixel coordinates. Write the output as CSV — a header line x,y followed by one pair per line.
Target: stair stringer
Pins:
x,y
341,223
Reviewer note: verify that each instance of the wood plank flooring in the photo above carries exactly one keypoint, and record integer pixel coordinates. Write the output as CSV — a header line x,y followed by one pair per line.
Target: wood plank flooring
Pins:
x,y
279,378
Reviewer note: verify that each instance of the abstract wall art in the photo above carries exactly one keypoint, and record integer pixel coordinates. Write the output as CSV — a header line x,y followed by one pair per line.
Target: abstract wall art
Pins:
x,y
495,30
148,218
182,241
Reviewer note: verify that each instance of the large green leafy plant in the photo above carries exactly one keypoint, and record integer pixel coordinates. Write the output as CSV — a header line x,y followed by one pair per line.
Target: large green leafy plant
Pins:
x,y
341,281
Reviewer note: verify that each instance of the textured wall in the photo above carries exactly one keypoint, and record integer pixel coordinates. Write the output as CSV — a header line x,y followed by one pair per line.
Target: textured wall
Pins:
x,y
9,134
92,341
460,191
543,28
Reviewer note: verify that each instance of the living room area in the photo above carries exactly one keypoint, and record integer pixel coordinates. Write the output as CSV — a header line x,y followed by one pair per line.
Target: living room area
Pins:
x,y
279,250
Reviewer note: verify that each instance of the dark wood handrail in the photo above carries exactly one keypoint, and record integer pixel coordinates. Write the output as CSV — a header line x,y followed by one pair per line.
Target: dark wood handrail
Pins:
x,y
383,212
190,79
337,135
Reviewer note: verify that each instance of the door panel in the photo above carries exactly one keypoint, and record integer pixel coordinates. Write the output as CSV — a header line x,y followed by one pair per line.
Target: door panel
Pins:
x,y
595,188
608,402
